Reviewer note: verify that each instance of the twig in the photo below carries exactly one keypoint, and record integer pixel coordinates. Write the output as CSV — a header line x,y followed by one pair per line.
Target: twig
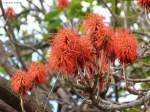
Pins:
x,y
138,80
141,33
120,106
21,104
11,35
31,2
127,86
50,93
147,18
113,14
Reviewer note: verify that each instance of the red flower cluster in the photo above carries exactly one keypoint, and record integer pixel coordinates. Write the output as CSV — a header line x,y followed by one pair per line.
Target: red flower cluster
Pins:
x,y
144,3
22,81
62,4
71,52
125,46
85,59
92,24
37,72
100,37
10,12
65,51
98,33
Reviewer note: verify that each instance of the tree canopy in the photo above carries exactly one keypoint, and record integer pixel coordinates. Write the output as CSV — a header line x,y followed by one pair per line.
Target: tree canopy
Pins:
x,y
75,56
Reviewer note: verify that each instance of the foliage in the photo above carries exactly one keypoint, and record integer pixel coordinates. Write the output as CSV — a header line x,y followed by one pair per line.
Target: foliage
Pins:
x,y
37,33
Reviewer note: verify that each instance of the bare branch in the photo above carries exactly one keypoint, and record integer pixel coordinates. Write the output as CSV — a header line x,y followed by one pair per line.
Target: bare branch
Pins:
x,y
12,37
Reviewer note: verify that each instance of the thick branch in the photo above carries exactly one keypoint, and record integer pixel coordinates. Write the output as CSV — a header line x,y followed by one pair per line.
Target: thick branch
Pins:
x,y
120,106
5,107
11,99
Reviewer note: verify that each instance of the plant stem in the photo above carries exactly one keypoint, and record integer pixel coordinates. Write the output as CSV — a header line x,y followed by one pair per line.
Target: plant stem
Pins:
x,y
108,76
50,93
21,104
124,74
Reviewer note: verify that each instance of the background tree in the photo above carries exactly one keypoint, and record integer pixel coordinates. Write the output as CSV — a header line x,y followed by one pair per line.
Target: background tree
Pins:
x,y
23,41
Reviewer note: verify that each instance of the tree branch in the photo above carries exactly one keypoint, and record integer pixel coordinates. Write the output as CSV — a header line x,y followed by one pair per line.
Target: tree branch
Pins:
x,y
5,61
11,36
13,100
120,106
5,107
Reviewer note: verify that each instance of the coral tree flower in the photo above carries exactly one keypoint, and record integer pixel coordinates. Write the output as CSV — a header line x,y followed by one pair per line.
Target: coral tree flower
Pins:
x,y
93,52
20,83
37,72
144,3
101,37
87,54
10,12
65,51
92,24
97,32
86,50
62,4
125,46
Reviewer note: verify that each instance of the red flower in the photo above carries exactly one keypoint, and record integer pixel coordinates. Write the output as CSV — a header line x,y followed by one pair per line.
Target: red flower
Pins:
x,y
108,44
86,50
144,3
20,82
92,24
104,40
65,50
62,4
10,12
99,34
125,46
37,72
86,57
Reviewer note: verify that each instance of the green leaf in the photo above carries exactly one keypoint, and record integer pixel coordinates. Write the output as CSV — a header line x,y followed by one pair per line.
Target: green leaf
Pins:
x,y
146,60
2,70
54,24
46,37
136,109
75,9
90,1
52,14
